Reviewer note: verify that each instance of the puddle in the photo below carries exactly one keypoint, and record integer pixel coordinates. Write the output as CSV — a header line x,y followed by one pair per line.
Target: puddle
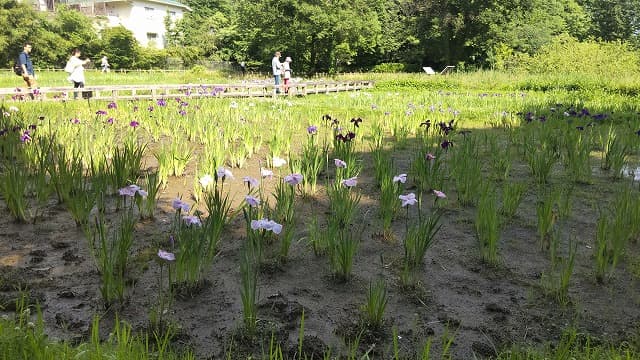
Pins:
x,y
632,172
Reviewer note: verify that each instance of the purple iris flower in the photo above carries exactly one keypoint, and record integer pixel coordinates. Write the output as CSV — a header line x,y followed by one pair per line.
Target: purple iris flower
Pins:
x,y
350,182
409,199
293,179
192,220
252,182
25,137
165,255
252,201
356,122
130,190
340,163
266,224
180,205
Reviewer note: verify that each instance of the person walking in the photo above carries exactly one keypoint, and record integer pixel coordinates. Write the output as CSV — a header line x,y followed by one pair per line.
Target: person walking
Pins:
x,y
104,64
243,68
28,75
75,68
286,71
276,67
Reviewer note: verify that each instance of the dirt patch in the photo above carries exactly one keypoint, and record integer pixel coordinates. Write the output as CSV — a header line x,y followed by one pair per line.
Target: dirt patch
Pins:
x,y
458,300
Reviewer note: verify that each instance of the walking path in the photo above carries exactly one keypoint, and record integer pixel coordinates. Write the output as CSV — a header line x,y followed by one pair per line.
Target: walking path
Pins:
x,y
129,92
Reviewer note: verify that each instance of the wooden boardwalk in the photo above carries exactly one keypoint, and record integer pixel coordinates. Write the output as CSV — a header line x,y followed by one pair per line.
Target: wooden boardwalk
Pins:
x,y
154,92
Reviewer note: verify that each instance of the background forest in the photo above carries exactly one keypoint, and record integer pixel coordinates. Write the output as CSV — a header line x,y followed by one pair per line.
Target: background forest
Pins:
x,y
337,35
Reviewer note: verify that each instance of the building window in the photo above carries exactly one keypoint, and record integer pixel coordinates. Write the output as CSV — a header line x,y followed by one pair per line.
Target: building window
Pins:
x,y
149,12
152,40
172,14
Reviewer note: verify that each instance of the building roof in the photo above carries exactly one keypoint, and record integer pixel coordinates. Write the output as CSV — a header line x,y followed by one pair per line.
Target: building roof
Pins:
x,y
164,2
170,2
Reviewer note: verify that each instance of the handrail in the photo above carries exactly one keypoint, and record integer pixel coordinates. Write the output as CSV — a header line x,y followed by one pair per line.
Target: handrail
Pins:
x,y
155,92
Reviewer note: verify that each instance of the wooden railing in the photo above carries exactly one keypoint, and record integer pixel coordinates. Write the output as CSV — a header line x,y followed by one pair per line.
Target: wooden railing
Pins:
x,y
129,92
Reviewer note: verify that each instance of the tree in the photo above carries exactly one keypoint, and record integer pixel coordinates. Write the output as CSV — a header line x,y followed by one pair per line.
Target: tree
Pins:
x,y
208,7
463,32
321,35
20,23
398,41
121,47
614,19
75,30
78,30
53,38
204,33
525,26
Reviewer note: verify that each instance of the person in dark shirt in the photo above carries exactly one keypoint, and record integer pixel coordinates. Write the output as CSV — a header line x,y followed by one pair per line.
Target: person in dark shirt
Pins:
x,y
28,74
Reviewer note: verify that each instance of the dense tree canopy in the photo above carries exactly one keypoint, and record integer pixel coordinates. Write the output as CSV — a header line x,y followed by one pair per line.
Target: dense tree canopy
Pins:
x,y
333,35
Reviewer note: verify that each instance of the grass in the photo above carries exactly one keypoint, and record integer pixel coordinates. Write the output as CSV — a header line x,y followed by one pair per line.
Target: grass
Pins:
x,y
22,338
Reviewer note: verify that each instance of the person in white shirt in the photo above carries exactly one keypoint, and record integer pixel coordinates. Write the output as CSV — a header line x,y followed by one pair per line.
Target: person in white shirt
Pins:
x,y
286,67
75,68
104,64
276,66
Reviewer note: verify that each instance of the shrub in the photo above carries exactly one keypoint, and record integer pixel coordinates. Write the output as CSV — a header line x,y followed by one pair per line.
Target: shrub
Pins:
x,y
388,68
566,55
198,69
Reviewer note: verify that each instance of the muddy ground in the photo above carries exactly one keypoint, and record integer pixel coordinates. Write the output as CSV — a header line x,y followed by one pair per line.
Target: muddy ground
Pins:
x,y
480,308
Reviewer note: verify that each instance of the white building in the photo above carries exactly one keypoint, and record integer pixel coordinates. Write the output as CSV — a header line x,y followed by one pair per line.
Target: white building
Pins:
x,y
42,5
145,18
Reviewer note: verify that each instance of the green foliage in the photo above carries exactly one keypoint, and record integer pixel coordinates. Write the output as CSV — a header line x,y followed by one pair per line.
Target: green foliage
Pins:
x,y
488,225
249,285
572,345
576,155
18,19
121,46
434,83
53,37
466,170
418,239
23,337
512,195
150,58
13,186
78,32
614,19
389,68
555,282
523,27
198,69
188,55
540,155
566,55
373,309
323,36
